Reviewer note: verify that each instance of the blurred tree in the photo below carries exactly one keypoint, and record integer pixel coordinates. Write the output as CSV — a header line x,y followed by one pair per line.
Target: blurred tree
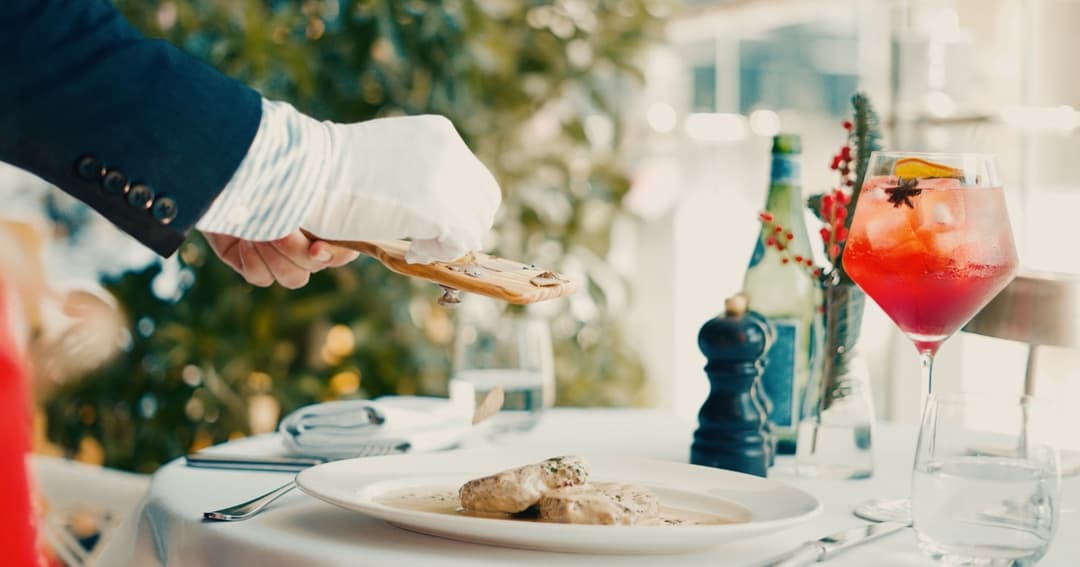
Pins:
x,y
535,87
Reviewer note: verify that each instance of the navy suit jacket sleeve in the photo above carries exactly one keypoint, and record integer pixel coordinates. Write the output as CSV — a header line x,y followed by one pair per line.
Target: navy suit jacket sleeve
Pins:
x,y
143,133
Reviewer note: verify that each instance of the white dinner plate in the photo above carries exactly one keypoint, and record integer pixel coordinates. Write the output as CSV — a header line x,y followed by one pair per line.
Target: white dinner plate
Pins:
x,y
761,505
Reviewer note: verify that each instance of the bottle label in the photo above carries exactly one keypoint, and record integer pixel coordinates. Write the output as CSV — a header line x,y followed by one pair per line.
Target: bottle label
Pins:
x,y
759,252
785,169
779,376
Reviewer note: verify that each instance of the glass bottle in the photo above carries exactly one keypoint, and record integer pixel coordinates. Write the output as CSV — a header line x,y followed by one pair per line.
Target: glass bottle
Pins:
x,y
781,287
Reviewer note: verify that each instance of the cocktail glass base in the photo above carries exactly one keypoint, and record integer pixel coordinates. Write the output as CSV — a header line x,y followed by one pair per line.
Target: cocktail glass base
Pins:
x,y
885,510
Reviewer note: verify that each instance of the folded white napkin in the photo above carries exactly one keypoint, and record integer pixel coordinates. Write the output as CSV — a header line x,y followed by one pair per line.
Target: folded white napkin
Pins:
x,y
350,428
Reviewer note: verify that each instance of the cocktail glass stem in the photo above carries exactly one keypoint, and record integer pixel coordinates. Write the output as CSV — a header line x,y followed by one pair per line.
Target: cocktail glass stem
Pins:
x,y
899,509
926,362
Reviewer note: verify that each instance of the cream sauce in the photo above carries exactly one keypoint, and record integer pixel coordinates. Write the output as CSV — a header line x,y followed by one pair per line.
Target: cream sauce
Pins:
x,y
444,500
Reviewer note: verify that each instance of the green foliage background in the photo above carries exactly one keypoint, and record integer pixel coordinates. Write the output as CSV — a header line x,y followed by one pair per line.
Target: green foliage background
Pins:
x,y
534,86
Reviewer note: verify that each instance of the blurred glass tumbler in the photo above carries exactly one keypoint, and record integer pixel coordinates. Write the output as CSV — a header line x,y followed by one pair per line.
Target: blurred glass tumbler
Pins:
x,y
493,348
985,486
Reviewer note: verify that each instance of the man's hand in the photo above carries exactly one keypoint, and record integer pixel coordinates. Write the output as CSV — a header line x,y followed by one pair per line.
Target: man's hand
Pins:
x,y
290,260
405,177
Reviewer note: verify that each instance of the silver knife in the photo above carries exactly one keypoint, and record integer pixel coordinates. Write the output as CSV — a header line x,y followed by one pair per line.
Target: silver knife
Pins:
x,y
818,550
251,463
214,460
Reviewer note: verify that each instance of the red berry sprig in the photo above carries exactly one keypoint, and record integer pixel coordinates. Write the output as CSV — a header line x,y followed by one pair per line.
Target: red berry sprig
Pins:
x,y
780,239
834,212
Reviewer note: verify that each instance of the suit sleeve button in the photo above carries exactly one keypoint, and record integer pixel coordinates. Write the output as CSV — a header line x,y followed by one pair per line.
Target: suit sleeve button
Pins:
x,y
89,168
114,182
164,210
140,196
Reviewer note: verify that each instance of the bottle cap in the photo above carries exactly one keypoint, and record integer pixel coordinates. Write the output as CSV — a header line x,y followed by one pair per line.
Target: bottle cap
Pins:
x,y
736,305
787,144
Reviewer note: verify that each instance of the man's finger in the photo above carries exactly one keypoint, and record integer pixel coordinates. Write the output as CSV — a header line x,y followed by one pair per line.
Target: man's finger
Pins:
x,y
296,248
253,268
226,249
337,255
288,274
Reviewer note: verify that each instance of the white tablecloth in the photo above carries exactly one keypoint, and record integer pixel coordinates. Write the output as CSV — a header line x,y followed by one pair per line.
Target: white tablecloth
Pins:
x,y
299,530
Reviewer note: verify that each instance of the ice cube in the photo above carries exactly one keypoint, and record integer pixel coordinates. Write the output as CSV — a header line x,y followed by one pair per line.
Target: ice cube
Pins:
x,y
937,217
942,215
941,210
940,183
889,228
945,243
874,187
986,210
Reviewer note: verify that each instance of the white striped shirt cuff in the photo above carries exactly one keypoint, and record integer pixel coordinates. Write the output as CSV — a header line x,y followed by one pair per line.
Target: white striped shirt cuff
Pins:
x,y
278,180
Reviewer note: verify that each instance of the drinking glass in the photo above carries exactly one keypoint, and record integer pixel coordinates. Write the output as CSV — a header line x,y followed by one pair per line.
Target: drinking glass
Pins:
x,y
986,481
931,244
494,347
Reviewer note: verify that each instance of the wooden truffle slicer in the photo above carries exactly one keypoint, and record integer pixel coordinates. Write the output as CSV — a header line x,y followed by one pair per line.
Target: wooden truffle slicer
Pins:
x,y
476,272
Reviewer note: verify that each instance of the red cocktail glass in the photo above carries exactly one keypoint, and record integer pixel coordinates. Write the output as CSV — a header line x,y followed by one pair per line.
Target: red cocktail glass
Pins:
x,y
931,244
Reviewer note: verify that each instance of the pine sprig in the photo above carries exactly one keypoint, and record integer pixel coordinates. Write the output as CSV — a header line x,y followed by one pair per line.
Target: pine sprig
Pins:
x,y
844,299
864,139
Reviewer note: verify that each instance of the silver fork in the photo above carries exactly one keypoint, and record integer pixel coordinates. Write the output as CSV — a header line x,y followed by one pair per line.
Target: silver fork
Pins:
x,y
252,507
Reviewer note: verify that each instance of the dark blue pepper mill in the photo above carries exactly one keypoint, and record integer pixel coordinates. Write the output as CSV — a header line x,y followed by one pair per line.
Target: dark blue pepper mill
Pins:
x,y
731,424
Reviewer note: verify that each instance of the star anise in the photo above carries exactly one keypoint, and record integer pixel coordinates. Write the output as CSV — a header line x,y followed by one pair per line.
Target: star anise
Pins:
x,y
902,193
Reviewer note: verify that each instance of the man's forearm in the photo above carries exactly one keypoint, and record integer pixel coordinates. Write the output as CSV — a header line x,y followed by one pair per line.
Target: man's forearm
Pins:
x,y
145,134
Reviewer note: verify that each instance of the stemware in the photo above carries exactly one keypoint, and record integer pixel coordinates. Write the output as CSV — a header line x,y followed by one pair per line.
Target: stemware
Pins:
x,y
931,244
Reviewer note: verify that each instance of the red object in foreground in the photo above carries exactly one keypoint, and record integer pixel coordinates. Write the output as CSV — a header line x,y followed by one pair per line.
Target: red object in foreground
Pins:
x,y
17,534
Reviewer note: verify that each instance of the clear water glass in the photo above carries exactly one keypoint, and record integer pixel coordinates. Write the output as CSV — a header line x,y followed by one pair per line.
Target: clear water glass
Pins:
x,y
494,347
986,483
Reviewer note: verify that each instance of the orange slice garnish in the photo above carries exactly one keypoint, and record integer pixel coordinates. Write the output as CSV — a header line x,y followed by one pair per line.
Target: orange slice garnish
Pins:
x,y
918,168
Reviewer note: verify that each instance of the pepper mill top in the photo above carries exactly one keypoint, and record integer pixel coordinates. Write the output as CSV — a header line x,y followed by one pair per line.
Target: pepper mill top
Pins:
x,y
736,305
733,337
